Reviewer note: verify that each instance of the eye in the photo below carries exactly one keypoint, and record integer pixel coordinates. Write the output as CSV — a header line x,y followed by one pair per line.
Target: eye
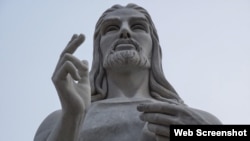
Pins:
x,y
111,28
139,27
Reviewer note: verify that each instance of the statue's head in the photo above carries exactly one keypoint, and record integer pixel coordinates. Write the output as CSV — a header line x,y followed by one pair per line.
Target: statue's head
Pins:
x,y
127,35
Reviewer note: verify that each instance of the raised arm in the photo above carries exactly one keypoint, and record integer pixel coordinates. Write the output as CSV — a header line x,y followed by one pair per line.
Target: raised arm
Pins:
x,y
72,84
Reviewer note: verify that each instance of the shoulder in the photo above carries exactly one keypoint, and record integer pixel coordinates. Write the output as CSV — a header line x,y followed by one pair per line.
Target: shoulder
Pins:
x,y
47,125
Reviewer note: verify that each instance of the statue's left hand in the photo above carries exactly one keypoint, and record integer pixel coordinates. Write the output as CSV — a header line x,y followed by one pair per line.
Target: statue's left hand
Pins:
x,y
161,115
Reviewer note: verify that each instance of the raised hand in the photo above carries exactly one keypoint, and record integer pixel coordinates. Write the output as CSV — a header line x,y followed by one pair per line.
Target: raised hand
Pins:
x,y
71,79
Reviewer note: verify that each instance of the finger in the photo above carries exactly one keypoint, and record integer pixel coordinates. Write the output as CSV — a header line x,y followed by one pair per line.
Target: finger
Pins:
x,y
82,68
86,64
72,38
85,75
165,108
158,118
74,44
67,68
159,129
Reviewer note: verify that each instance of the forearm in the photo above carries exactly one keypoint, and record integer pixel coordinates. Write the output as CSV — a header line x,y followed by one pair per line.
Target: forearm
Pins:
x,y
67,128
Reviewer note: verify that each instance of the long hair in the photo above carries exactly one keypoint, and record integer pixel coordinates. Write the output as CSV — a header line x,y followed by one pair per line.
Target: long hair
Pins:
x,y
159,87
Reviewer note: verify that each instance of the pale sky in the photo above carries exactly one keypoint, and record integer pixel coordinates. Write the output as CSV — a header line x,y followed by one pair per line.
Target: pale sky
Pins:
x,y
205,43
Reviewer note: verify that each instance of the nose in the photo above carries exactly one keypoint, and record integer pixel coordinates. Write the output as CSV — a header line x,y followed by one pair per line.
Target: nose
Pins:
x,y
125,33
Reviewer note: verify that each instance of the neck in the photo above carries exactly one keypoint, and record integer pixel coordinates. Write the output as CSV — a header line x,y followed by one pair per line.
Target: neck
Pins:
x,y
128,83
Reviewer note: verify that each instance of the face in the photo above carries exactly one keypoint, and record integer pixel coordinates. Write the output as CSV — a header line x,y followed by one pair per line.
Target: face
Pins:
x,y
125,39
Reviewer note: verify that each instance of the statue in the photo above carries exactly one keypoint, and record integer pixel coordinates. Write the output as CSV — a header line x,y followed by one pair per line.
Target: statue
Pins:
x,y
125,96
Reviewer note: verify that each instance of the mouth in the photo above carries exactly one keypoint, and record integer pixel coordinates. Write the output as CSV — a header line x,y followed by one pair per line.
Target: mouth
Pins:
x,y
125,46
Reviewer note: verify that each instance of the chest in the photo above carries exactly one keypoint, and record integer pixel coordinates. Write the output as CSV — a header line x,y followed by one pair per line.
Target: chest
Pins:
x,y
112,122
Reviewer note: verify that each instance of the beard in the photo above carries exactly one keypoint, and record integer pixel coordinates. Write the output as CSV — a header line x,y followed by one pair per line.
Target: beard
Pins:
x,y
126,58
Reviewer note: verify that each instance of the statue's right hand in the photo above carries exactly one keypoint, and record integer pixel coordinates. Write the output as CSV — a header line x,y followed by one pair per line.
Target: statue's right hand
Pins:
x,y
71,79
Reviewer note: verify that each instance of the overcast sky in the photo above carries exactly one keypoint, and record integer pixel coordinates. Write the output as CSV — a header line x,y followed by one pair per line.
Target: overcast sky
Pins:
x,y
205,43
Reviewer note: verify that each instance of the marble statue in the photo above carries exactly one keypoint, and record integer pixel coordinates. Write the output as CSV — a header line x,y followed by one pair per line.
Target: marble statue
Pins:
x,y
125,96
